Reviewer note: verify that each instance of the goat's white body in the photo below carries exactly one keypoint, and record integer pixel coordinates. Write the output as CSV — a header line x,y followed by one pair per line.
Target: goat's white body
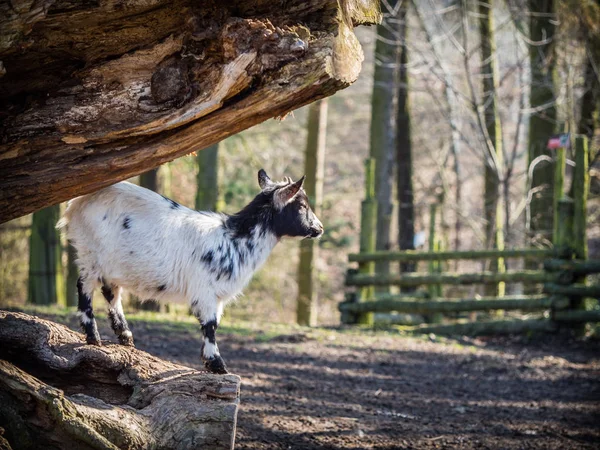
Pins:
x,y
160,254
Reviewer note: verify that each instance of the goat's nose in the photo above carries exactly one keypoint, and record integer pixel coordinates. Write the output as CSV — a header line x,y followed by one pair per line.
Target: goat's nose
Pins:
x,y
317,229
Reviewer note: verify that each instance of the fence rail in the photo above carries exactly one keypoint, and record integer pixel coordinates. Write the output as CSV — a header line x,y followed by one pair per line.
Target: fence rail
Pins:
x,y
448,278
420,306
411,256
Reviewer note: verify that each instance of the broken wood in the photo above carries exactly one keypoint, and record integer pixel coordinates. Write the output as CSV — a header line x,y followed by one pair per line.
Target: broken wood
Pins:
x,y
56,392
94,93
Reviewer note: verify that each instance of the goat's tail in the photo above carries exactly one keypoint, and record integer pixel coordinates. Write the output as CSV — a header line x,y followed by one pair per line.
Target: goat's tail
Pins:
x,y
72,206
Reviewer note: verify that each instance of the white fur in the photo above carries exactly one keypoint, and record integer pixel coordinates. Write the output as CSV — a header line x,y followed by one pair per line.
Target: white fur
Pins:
x,y
162,247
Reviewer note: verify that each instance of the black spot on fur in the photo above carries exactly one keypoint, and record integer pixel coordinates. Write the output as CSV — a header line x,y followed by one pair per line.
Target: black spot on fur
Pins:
x,y
127,223
161,288
105,216
208,257
209,329
195,302
173,203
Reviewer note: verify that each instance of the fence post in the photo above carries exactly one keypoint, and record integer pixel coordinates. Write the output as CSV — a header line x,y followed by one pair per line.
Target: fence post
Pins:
x,y
368,227
563,232
581,183
559,183
581,186
433,289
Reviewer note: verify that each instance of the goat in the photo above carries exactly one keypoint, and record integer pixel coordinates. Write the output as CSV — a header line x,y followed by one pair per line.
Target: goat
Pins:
x,y
130,237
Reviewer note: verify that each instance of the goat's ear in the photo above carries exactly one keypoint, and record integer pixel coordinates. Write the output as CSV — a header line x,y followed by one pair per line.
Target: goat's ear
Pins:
x,y
287,193
263,179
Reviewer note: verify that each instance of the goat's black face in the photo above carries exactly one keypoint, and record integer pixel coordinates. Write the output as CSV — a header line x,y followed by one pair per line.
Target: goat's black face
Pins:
x,y
292,215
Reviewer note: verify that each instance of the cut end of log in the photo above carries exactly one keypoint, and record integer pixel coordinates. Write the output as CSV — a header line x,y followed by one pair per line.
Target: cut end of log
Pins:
x,y
58,392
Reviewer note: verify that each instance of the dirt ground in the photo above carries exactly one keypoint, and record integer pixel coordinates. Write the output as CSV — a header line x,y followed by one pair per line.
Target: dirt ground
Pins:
x,y
330,389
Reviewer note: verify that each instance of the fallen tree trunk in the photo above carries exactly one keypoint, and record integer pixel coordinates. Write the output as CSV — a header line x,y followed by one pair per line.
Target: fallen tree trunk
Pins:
x,y
57,393
92,93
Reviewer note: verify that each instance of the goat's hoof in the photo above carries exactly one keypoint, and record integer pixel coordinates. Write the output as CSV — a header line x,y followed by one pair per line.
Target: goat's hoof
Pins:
x,y
216,365
93,341
126,341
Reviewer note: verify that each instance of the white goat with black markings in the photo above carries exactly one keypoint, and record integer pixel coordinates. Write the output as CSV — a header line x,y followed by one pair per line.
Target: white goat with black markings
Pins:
x,y
130,237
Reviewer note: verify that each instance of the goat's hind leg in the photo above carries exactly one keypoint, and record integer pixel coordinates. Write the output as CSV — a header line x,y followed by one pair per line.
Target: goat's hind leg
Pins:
x,y
118,323
85,312
209,320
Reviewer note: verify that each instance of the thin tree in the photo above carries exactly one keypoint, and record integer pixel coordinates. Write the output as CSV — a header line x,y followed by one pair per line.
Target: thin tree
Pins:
x,y
314,166
72,276
46,280
493,207
406,213
451,109
207,180
382,137
542,123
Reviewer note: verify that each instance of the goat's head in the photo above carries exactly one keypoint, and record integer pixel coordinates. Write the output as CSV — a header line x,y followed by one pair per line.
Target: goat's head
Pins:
x,y
292,215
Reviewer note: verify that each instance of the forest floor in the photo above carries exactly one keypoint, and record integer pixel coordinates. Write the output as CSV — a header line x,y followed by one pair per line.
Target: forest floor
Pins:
x,y
338,388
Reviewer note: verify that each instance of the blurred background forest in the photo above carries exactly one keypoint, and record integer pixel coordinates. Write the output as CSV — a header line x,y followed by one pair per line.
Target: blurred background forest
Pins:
x,y
456,102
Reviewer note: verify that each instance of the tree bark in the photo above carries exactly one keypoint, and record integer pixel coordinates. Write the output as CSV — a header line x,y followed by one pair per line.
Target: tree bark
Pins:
x,y
382,133
56,392
542,123
493,207
406,209
94,93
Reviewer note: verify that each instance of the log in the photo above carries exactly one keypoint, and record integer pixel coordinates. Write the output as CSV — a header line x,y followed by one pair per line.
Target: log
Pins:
x,y
417,306
411,255
92,93
527,276
58,393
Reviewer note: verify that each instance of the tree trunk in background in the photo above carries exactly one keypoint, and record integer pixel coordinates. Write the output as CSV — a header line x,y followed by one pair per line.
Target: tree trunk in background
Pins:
x,y
207,181
382,140
72,276
314,168
46,279
590,102
542,124
453,115
493,206
406,212
149,180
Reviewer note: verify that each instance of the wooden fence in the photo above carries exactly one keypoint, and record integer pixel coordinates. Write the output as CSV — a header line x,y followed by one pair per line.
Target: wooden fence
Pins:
x,y
563,277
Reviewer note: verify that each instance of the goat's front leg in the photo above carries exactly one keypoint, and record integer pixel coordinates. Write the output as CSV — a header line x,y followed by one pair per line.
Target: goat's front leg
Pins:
x,y
208,315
